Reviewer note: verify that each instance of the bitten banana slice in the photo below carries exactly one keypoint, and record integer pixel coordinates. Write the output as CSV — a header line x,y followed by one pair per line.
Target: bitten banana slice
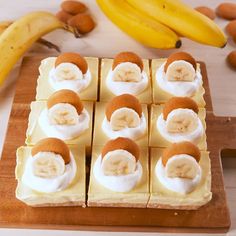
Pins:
x,y
127,72
124,117
63,114
182,166
68,71
48,165
181,120
180,71
118,162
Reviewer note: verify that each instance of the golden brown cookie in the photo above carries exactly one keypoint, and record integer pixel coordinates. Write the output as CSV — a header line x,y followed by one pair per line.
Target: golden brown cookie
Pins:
x,y
227,10
63,16
74,58
66,96
231,28
52,145
124,100
179,102
206,11
121,143
73,7
127,57
181,148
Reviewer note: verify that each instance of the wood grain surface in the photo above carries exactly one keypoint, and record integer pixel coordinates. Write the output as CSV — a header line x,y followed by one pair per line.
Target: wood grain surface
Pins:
x,y
213,217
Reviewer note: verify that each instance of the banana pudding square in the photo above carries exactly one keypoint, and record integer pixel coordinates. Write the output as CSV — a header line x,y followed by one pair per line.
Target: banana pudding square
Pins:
x,y
144,96
156,139
86,91
72,195
160,95
164,198
101,196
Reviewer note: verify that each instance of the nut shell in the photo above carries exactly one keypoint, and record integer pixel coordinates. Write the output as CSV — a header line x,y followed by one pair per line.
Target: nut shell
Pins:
x,y
227,11
231,58
127,57
180,56
82,22
124,100
206,11
63,16
52,145
74,58
121,143
66,96
181,148
231,28
179,102
73,7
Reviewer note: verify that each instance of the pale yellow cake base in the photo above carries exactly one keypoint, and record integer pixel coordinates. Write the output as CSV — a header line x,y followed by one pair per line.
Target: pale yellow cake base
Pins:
x,y
103,197
106,95
100,138
157,140
160,96
73,195
163,198
34,132
44,89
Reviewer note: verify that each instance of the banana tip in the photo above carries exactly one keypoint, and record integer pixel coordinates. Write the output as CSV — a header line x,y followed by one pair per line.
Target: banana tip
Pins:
x,y
224,45
178,44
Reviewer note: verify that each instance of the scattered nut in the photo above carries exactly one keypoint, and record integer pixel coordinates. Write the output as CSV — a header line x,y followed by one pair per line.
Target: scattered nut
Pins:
x,y
206,11
73,7
231,28
63,16
231,58
83,22
227,11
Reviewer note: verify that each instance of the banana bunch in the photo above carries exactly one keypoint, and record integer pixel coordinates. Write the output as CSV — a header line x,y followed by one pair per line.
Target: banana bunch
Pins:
x,y
158,23
16,38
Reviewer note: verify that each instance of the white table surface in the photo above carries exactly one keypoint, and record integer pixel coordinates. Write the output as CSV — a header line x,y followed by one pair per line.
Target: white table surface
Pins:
x,y
107,40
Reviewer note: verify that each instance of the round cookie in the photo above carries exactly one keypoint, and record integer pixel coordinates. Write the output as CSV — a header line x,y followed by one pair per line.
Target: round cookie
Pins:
x,y
179,102
127,57
73,7
181,148
66,96
206,11
52,145
121,143
124,100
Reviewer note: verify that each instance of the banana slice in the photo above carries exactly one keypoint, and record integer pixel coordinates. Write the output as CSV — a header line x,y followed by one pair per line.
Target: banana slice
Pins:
x,y
63,114
182,166
127,72
180,71
124,117
68,71
181,120
118,162
48,165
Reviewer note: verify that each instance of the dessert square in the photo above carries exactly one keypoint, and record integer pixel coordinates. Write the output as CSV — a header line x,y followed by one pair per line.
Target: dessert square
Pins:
x,y
99,196
34,132
163,198
100,137
157,140
73,195
106,95
44,89
160,96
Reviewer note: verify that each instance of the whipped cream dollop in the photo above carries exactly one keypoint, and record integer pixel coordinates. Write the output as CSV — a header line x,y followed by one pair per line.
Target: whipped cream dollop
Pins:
x,y
178,88
128,132
64,132
177,184
121,87
118,183
49,185
78,84
194,136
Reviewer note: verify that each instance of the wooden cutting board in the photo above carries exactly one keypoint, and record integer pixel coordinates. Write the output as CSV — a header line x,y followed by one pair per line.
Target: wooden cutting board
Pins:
x,y
213,217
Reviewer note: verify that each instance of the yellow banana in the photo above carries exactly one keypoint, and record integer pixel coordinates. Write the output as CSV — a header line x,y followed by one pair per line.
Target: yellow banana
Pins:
x,y
143,29
21,34
182,19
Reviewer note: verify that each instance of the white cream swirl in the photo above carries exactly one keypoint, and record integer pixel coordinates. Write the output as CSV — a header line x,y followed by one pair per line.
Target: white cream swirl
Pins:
x,y
128,132
49,185
64,132
119,183
177,184
178,88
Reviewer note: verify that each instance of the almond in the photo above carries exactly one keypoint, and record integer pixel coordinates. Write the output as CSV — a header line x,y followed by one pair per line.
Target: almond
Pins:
x,y
73,7
206,11
227,10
